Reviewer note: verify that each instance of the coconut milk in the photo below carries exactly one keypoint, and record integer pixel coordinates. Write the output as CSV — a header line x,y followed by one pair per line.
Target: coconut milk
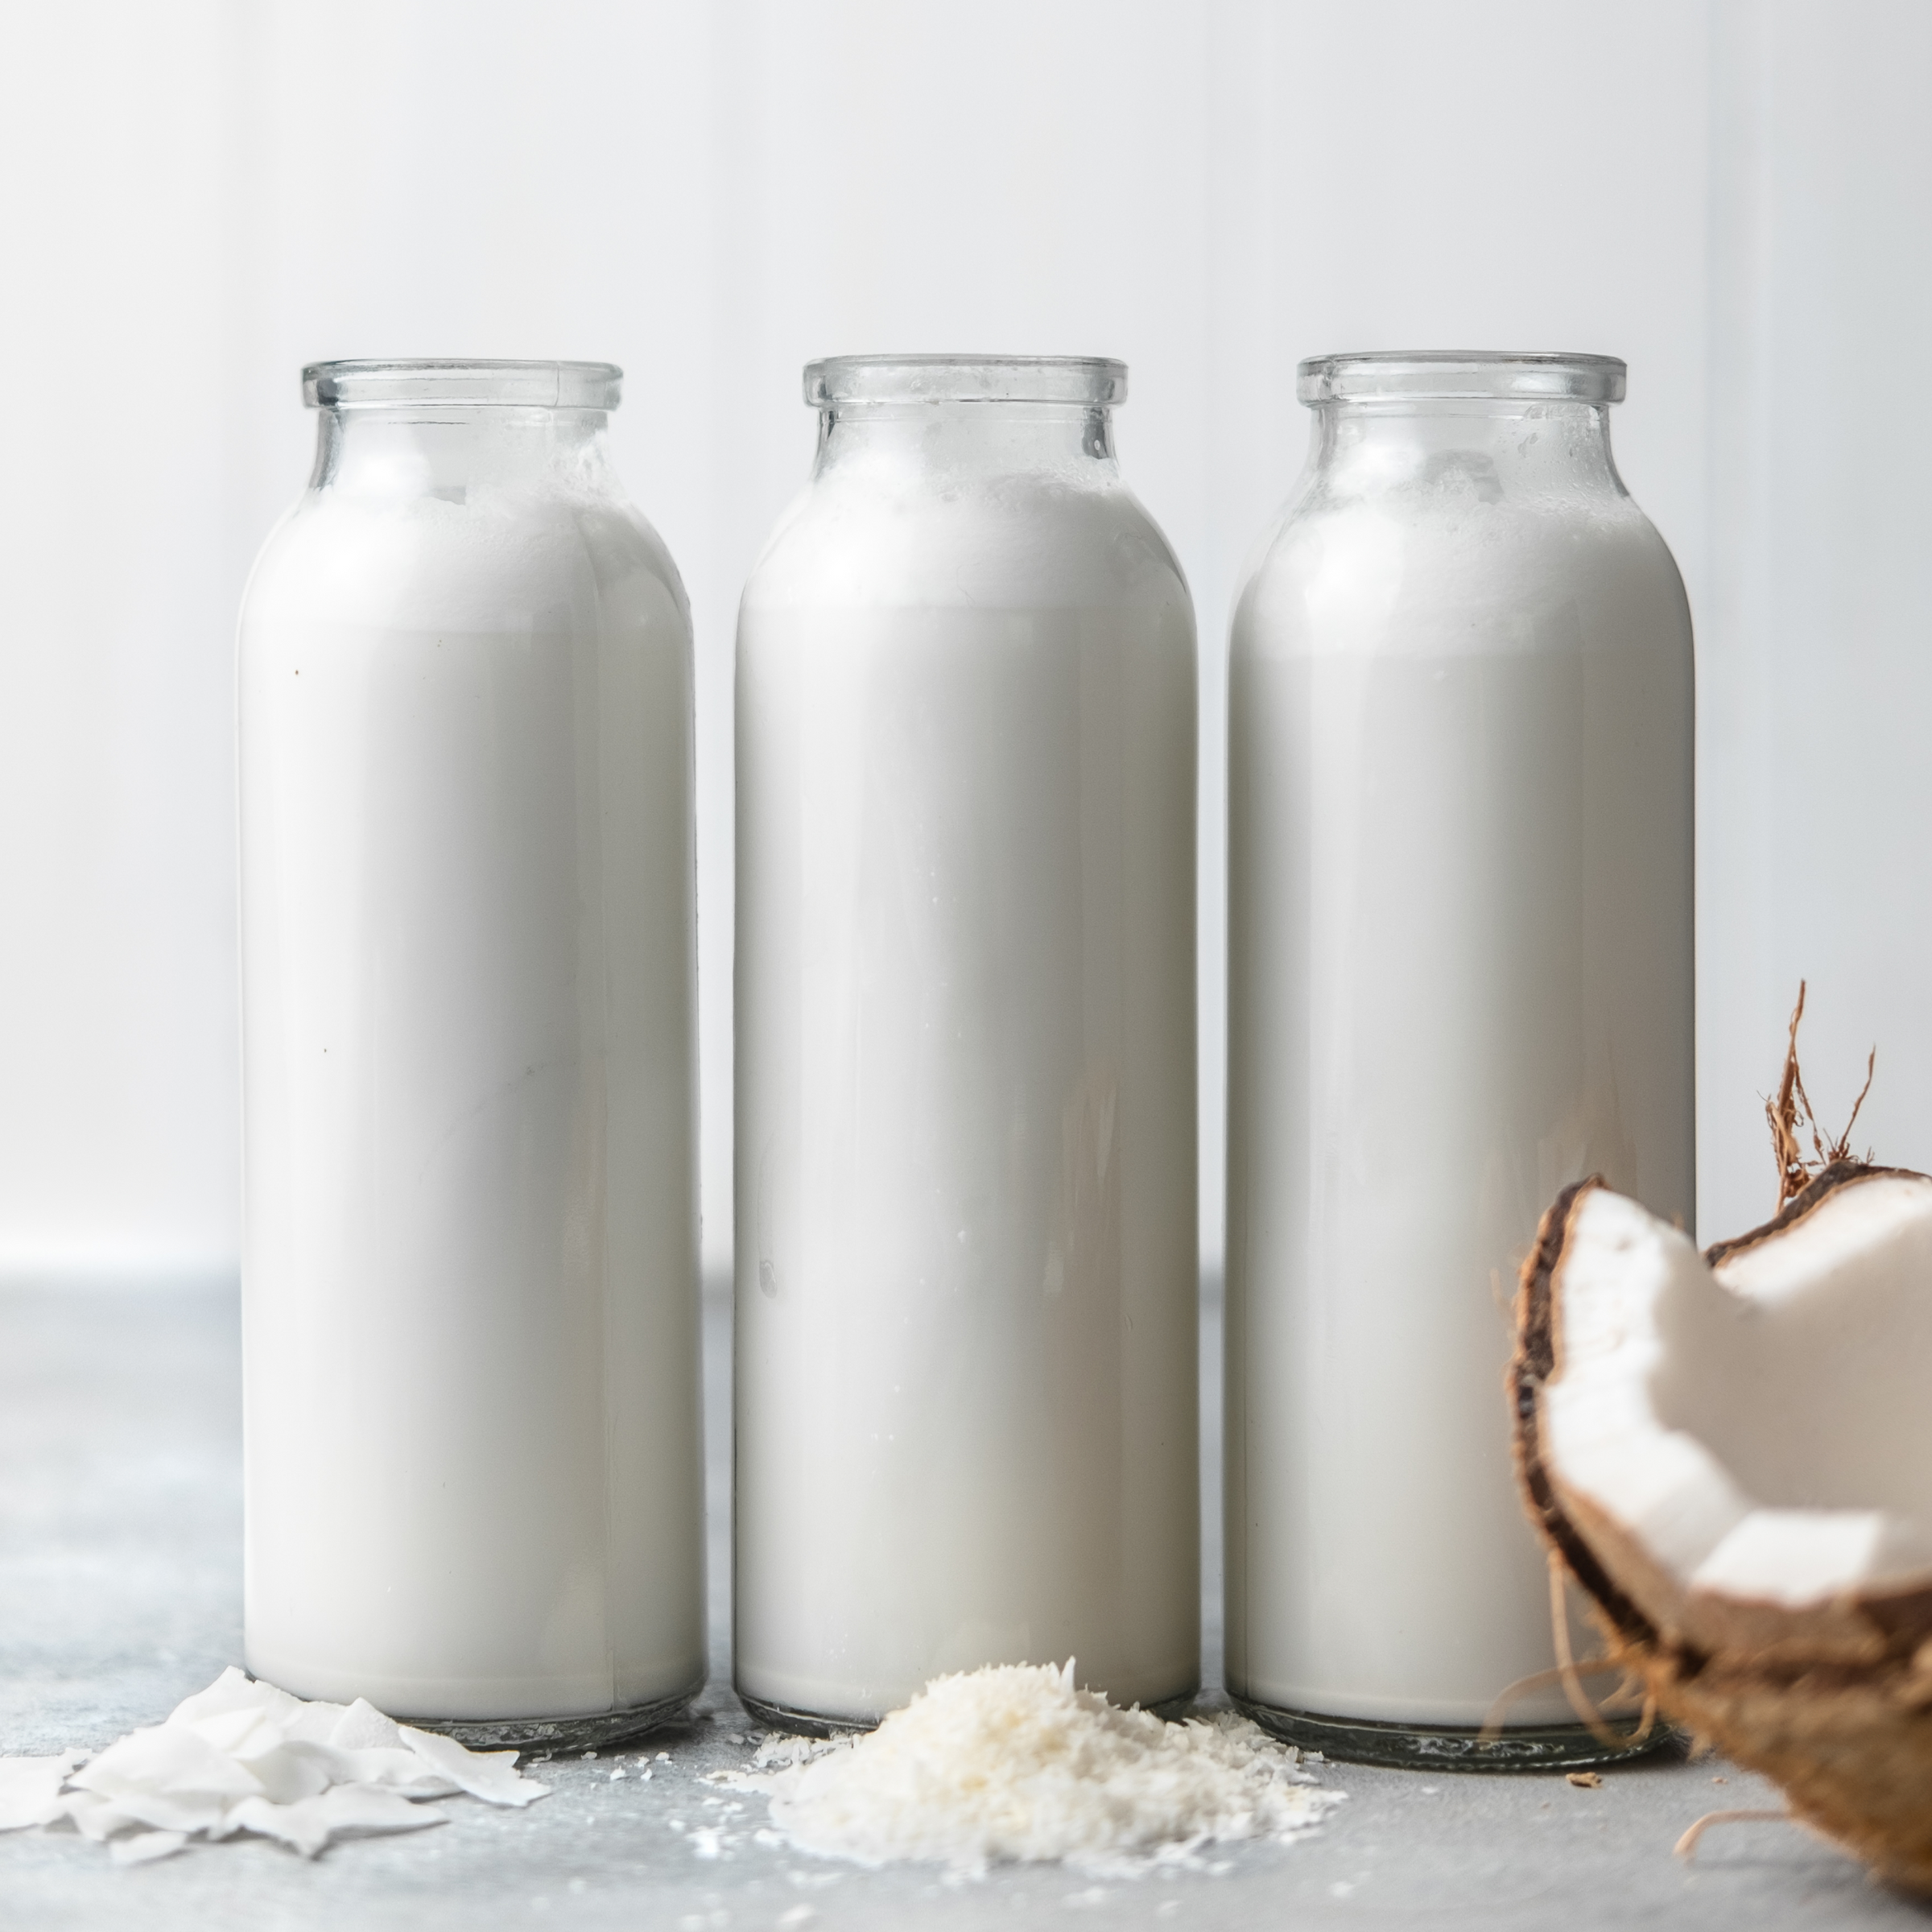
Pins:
x,y
473,1489
1460,977
965,1395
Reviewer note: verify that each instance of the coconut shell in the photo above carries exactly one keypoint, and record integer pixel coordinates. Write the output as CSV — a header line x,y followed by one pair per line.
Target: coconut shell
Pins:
x,y
1835,1707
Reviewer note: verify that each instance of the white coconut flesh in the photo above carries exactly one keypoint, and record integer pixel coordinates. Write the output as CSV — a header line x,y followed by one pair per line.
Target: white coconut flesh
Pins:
x,y
1749,1447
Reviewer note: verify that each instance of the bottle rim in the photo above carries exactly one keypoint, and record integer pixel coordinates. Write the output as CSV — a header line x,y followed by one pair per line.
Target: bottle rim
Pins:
x,y
1444,375
453,383
1089,381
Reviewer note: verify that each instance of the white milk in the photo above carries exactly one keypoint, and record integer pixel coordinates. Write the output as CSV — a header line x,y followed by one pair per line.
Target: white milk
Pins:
x,y
966,1232
473,1483
1460,958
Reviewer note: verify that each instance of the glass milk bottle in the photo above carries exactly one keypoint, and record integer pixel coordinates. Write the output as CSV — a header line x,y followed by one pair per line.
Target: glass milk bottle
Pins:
x,y
474,1487
1460,976
966,1235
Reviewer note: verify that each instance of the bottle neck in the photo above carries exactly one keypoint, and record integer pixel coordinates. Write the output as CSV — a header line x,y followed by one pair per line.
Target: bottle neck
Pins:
x,y
414,450
1495,446
963,440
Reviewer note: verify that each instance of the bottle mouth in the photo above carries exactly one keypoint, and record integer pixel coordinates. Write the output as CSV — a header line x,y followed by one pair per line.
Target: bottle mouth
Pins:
x,y
1087,381
443,384
1448,375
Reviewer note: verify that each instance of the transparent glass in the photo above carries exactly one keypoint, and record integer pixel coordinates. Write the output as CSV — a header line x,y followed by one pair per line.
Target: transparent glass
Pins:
x,y
474,1484
1460,924
966,1290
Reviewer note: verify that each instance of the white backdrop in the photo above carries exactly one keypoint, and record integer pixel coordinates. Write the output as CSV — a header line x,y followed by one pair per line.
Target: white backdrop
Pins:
x,y
1733,196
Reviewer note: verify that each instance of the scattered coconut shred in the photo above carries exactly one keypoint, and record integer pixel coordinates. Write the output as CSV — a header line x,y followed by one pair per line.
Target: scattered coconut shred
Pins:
x,y
244,1756
1014,1763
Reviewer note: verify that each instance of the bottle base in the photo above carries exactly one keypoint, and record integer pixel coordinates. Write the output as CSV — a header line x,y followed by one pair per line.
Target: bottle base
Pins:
x,y
1449,1747
806,1723
591,1732
802,1723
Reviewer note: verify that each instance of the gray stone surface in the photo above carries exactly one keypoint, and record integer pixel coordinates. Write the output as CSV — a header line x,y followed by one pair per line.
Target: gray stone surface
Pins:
x,y
120,1592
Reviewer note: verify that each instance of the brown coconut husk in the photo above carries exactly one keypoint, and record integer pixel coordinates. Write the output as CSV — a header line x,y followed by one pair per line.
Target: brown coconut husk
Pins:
x,y
1835,1705
1786,1114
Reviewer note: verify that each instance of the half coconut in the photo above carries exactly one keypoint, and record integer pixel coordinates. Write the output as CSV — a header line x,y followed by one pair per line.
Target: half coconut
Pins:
x,y
1732,1453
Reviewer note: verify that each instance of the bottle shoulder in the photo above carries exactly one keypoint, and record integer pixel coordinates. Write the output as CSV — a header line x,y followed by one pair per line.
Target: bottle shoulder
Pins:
x,y
1024,541
1393,572
473,562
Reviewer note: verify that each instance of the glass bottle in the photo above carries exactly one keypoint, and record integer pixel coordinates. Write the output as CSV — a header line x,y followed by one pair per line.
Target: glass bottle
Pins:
x,y
1460,815
474,1483
966,1260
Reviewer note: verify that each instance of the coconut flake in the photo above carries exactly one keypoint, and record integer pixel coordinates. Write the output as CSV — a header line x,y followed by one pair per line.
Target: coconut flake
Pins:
x,y
243,1756
342,1811
1013,1763
144,1847
94,1817
489,1775
236,1690
171,1778
30,1789
361,1727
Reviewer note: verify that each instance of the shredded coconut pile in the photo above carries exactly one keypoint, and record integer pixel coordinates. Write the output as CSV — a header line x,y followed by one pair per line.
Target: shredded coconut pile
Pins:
x,y
244,1756
1013,1763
